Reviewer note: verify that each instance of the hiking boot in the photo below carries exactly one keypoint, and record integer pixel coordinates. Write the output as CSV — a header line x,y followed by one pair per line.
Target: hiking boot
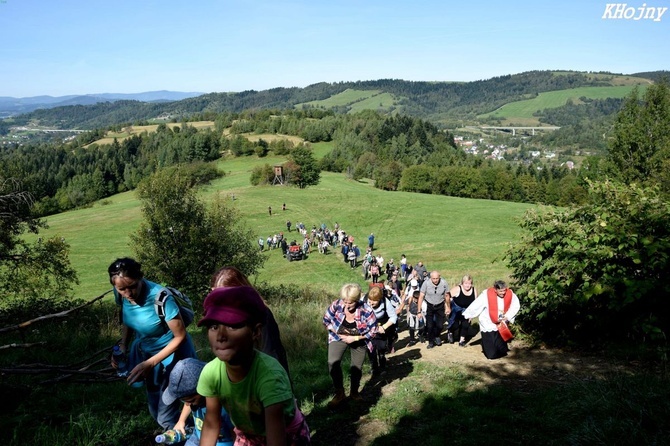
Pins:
x,y
438,341
337,399
461,344
450,338
411,343
421,339
355,396
430,345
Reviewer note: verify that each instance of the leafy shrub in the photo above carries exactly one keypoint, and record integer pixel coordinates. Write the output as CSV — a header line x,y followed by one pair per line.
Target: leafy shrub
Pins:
x,y
596,272
181,240
261,175
196,174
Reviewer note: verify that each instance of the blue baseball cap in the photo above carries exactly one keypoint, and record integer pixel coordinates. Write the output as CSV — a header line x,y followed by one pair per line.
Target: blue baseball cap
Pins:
x,y
183,380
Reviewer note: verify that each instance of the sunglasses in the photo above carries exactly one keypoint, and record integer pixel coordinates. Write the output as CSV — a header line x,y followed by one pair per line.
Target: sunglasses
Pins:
x,y
118,266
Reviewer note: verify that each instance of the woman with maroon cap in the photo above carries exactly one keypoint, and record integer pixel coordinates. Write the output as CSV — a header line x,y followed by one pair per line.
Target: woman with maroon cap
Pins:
x,y
270,340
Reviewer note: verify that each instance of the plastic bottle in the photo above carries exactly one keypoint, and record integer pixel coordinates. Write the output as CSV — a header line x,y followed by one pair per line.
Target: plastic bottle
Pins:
x,y
172,436
121,363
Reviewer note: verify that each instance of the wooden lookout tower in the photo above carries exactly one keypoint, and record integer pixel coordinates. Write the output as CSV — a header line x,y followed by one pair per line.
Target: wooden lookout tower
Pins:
x,y
279,175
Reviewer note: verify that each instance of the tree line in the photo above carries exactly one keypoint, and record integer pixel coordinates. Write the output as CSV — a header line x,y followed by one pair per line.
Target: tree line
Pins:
x,y
65,176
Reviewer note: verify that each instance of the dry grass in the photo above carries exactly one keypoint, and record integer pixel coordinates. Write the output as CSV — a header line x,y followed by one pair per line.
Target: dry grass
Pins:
x,y
138,129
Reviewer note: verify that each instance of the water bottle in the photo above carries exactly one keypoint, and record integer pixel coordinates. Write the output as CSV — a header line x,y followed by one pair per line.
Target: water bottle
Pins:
x,y
172,436
121,363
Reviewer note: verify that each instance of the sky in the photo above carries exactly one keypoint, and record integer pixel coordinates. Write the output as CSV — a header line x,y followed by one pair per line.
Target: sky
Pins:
x,y
68,47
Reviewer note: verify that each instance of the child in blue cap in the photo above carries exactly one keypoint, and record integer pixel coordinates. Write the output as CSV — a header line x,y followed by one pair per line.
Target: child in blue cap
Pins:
x,y
183,383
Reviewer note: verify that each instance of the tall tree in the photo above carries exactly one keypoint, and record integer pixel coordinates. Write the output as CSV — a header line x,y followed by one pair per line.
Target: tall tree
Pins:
x,y
310,175
182,242
641,136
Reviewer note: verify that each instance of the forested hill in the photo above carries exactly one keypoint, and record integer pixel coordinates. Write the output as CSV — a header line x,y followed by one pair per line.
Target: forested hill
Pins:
x,y
433,101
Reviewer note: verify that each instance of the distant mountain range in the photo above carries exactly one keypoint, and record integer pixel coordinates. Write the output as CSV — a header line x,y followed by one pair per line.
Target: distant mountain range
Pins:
x,y
10,106
447,104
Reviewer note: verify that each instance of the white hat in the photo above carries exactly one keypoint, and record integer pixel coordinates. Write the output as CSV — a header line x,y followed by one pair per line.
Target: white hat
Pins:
x,y
414,283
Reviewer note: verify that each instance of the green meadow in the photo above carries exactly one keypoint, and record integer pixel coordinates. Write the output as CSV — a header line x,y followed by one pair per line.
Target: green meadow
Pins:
x,y
554,99
453,235
380,101
359,100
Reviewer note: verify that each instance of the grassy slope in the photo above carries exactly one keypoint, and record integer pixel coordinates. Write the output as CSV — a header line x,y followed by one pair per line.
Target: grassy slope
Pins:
x,y
453,235
346,97
383,101
359,100
553,99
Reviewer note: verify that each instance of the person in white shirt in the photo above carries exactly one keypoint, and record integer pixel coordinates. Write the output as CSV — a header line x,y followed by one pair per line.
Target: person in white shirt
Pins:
x,y
494,306
415,319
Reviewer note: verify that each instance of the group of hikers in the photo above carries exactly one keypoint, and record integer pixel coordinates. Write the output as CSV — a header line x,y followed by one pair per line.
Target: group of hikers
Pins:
x,y
322,238
367,324
244,396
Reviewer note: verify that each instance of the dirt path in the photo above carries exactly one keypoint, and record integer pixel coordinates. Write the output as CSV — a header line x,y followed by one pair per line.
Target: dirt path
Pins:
x,y
521,362
524,367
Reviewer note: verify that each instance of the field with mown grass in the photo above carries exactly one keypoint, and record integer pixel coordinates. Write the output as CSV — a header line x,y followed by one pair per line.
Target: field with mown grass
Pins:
x,y
358,100
138,129
378,102
346,97
522,111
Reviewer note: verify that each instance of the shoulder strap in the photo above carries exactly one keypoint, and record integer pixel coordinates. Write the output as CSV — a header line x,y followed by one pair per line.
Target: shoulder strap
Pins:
x,y
159,305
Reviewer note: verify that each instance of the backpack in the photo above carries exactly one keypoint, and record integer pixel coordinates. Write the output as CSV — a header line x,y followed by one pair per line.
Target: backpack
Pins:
x,y
183,302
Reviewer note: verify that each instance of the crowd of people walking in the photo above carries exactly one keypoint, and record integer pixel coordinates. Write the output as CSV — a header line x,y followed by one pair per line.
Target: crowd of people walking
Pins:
x,y
422,300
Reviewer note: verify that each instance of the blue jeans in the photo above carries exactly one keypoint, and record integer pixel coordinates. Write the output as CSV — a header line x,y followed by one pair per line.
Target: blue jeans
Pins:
x,y
455,311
